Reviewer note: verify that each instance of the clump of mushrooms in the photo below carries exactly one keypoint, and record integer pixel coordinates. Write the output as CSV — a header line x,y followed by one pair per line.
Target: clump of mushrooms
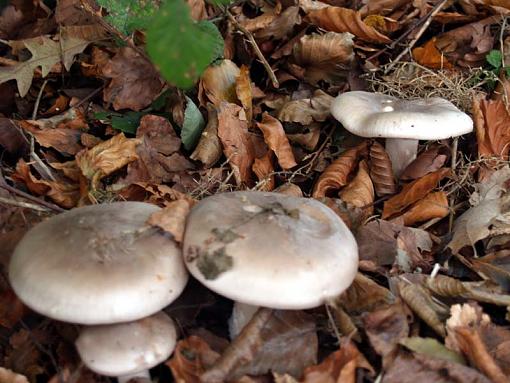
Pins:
x,y
270,250
100,265
402,122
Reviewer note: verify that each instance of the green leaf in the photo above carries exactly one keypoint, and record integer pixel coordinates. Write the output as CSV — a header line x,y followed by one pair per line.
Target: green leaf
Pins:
x,y
192,126
432,347
179,46
127,122
494,58
128,15
219,2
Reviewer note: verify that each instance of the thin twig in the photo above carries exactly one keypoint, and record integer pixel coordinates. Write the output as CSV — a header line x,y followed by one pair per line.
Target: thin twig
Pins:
x,y
28,205
434,11
256,48
30,197
38,99
89,96
452,196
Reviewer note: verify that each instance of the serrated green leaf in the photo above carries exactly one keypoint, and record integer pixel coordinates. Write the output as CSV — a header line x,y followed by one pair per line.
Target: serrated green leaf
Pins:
x,y
494,58
179,46
192,126
432,347
128,15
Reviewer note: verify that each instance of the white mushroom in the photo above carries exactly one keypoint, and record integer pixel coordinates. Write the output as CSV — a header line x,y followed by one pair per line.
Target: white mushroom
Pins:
x,y
269,249
127,350
401,122
98,264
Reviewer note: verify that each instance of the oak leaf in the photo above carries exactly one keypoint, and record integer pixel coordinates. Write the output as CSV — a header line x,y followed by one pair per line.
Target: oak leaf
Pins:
x,y
338,19
381,171
275,138
413,192
434,205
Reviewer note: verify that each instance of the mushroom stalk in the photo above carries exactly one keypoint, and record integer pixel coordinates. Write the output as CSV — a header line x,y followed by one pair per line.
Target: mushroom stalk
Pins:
x,y
402,151
241,315
144,374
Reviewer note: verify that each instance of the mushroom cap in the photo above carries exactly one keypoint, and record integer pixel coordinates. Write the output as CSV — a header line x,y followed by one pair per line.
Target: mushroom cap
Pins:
x,y
368,114
98,264
269,249
127,348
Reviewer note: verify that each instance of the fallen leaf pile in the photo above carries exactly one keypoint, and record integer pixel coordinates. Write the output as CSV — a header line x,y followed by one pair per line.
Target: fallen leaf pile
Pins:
x,y
87,118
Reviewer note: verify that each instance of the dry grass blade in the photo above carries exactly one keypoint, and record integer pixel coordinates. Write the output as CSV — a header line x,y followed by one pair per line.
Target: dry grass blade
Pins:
x,y
381,171
434,205
336,175
413,192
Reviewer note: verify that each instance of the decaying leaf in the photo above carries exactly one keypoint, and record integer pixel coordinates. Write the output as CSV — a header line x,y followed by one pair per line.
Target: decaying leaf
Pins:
x,y
218,83
338,19
433,205
172,218
237,146
381,171
413,192
336,175
307,110
275,138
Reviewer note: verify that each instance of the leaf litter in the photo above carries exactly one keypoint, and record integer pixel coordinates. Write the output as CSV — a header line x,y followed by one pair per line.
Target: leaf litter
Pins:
x,y
94,121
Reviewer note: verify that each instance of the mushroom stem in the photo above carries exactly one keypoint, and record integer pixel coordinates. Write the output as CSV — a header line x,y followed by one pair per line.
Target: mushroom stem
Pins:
x,y
402,151
140,374
241,315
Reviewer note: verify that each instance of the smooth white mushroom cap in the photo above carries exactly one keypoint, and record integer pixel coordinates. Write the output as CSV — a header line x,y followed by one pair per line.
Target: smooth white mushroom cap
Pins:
x,y
368,114
269,249
97,265
127,348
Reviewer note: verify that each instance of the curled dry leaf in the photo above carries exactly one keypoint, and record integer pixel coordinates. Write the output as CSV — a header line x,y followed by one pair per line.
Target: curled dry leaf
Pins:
x,y
326,57
263,169
338,19
430,57
218,83
172,218
237,146
381,171
360,191
491,120
428,161
413,192
336,175
244,91
275,138
208,150
434,205
107,157
135,83
307,110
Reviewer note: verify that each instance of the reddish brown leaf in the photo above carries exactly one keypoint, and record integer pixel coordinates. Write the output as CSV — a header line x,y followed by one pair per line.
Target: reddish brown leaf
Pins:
x,y
263,169
492,125
336,175
338,19
135,83
381,171
429,56
413,192
62,139
429,161
275,138
218,83
433,205
237,146
244,92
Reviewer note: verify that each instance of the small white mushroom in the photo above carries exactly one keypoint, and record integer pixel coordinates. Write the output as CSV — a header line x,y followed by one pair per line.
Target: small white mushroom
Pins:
x,y
98,264
402,122
127,350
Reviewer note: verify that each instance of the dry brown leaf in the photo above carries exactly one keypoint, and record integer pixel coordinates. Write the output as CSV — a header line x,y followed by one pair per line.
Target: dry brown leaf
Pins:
x,y
326,57
381,7
339,366
198,11
263,169
237,146
430,57
12,310
492,126
496,266
308,139
307,110
135,83
61,192
192,356
62,139
433,205
360,191
428,161
11,138
413,192
338,19
336,175
8,376
381,171
281,26
275,138
208,150
244,92
218,83
107,157
172,218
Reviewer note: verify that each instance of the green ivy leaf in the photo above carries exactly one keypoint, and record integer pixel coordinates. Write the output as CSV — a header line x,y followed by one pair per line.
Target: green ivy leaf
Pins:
x,y
128,15
179,46
127,122
192,126
494,58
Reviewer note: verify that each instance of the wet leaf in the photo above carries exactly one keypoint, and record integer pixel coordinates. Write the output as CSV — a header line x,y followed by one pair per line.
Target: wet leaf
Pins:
x,y
275,138
381,171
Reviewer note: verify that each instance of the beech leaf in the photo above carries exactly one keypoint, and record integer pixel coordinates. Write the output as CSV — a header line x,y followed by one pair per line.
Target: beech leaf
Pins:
x,y
275,138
